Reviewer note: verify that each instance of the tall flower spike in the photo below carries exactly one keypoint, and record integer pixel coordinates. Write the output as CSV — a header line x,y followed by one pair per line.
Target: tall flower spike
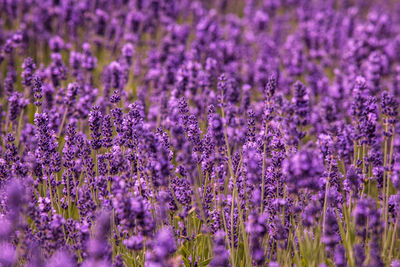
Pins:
x,y
389,106
72,91
163,246
222,88
88,61
303,170
270,88
95,122
127,52
37,90
116,75
221,255
301,104
28,67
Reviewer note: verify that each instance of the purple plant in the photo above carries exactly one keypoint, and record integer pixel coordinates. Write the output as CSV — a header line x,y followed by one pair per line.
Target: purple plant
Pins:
x,y
196,133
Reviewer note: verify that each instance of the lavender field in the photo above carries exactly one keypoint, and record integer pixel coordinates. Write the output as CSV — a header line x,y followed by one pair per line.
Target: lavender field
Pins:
x,y
199,133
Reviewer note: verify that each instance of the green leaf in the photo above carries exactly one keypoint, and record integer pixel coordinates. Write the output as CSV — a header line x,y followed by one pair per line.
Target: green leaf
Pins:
x,y
184,251
205,263
186,262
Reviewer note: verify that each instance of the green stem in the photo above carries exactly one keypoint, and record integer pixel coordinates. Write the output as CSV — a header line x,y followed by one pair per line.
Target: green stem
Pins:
x,y
20,121
393,239
234,197
263,172
388,178
326,195
385,177
62,123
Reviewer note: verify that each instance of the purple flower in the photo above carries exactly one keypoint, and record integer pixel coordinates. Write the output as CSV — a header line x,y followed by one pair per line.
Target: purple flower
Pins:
x,y
389,109
353,178
303,170
37,90
72,91
301,104
339,256
61,259
16,103
95,123
58,70
366,212
134,242
116,75
127,52
8,255
28,67
163,246
221,255
88,61
257,229
331,236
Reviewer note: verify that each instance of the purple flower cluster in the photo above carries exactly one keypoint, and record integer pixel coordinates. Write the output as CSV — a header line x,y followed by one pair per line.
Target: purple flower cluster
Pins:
x,y
199,133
